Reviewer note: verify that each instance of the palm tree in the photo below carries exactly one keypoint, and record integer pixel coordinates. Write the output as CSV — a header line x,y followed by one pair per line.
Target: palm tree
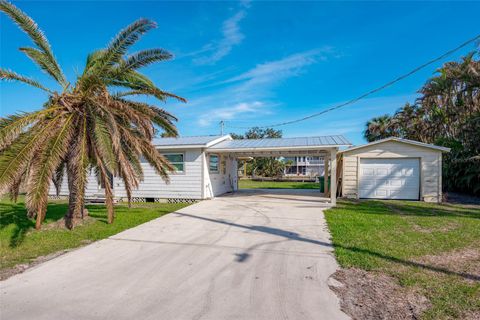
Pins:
x,y
379,128
84,125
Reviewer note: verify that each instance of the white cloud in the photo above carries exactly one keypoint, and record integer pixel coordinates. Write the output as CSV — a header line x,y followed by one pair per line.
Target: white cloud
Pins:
x,y
227,113
249,95
232,36
289,66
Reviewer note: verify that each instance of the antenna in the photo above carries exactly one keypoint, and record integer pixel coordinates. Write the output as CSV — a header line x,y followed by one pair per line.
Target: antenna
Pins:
x,y
222,126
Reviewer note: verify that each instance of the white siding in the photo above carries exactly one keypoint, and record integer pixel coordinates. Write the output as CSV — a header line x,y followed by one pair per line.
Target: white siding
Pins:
x,y
91,190
430,164
186,185
222,182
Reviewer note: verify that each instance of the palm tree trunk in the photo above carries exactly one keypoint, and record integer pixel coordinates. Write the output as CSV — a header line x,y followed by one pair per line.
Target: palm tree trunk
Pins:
x,y
74,196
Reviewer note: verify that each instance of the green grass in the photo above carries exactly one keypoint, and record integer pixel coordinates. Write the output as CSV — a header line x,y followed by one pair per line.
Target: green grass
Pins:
x,y
20,242
250,184
393,236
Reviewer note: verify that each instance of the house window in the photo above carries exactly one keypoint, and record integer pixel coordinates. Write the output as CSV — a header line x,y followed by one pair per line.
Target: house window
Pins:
x,y
213,163
176,160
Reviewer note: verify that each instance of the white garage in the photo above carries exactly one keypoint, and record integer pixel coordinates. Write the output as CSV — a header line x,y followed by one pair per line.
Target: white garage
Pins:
x,y
393,168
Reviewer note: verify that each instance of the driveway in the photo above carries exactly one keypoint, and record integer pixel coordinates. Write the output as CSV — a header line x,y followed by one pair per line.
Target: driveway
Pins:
x,y
251,255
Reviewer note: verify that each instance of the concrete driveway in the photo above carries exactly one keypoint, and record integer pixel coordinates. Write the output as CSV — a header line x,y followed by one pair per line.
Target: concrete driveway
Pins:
x,y
252,255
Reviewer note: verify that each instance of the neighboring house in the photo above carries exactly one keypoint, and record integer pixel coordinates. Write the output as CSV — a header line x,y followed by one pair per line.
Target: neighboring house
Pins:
x,y
305,166
393,168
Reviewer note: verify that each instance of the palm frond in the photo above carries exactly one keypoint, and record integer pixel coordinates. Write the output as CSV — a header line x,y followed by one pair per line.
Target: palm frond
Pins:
x,y
12,126
103,143
33,31
144,58
120,44
80,163
157,161
139,84
158,116
15,159
45,64
9,75
57,178
104,177
47,162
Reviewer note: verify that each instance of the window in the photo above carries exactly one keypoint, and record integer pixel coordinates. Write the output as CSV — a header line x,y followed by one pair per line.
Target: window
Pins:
x,y
176,160
213,163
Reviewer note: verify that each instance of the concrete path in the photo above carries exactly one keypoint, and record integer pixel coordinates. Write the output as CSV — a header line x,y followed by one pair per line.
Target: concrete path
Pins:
x,y
262,255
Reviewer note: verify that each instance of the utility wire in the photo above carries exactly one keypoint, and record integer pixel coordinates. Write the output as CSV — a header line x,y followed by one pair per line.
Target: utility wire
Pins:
x,y
386,85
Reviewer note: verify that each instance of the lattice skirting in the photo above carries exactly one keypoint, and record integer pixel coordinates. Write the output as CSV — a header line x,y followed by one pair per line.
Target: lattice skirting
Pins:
x,y
58,197
180,200
169,200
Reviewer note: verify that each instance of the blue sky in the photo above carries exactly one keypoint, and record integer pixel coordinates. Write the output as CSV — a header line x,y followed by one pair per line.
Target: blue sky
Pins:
x,y
256,63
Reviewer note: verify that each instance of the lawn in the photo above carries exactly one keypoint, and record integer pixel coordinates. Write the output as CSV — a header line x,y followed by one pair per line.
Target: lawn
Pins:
x,y
20,242
250,184
430,248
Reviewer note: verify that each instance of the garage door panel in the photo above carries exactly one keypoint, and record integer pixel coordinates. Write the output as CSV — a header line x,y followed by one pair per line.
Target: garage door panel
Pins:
x,y
389,178
368,172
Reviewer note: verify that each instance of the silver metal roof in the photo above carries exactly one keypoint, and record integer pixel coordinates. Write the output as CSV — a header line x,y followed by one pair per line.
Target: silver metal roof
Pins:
x,y
412,142
183,141
284,143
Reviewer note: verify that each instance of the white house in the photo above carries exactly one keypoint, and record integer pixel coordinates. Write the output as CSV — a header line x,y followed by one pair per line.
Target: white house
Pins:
x,y
207,167
304,166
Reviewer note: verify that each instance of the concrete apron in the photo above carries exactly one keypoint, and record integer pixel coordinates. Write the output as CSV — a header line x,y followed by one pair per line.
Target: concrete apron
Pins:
x,y
251,255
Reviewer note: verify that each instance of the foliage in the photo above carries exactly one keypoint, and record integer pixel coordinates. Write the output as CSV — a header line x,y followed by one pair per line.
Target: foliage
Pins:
x,y
85,126
262,166
414,242
258,133
448,114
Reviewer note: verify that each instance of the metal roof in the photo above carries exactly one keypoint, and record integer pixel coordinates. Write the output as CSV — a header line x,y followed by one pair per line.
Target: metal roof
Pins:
x,y
412,142
282,143
197,141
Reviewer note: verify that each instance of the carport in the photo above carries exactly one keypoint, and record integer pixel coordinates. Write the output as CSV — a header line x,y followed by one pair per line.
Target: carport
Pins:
x,y
324,146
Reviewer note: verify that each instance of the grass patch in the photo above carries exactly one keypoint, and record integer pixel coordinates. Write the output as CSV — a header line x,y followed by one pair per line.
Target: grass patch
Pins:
x,y
412,241
21,243
250,184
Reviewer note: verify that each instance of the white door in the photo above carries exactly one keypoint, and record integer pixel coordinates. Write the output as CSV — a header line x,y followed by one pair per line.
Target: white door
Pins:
x,y
389,179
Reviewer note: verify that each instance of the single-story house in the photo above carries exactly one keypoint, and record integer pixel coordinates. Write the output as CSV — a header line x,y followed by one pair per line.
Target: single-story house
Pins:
x,y
206,166
393,168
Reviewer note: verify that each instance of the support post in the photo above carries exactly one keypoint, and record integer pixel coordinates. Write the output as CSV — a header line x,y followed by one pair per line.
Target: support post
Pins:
x,y
326,186
333,176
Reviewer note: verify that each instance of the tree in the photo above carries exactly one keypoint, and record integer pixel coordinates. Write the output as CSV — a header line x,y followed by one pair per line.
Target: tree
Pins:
x,y
447,113
262,166
84,125
379,128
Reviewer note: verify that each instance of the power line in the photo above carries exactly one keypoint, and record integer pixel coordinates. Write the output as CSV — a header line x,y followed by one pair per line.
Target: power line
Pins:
x,y
386,85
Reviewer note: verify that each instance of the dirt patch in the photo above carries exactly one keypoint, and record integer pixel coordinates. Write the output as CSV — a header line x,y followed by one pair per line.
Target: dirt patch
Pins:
x,y
60,224
450,226
475,315
375,296
464,263
20,268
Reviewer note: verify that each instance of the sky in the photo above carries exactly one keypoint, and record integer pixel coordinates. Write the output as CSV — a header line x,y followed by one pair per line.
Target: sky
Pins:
x,y
254,63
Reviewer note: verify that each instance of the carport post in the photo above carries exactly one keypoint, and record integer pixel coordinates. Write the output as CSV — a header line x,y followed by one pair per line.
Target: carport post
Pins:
x,y
333,176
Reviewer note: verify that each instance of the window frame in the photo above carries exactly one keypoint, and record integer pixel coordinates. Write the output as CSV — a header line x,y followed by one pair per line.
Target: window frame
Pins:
x,y
172,163
218,163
